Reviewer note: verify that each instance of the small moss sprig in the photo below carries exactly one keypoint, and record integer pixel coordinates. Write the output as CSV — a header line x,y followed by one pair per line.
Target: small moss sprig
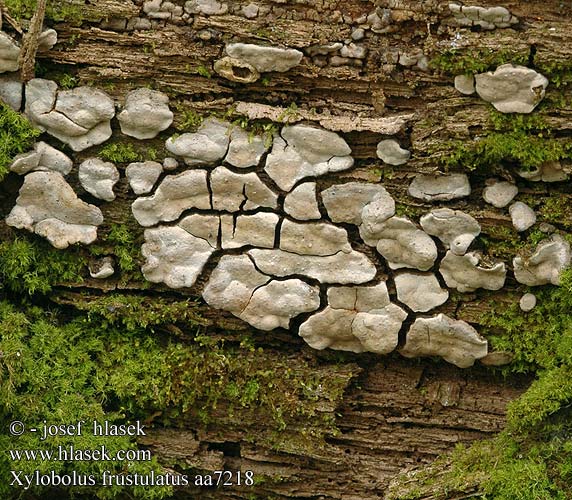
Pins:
x,y
17,135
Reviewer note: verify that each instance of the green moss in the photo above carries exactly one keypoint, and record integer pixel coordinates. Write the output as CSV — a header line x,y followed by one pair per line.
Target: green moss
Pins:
x,y
59,11
62,373
407,210
457,61
525,150
104,365
119,152
134,312
191,121
501,242
34,266
557,209
67,81
204,71
17,135
542,338
522,140
559,73
121,241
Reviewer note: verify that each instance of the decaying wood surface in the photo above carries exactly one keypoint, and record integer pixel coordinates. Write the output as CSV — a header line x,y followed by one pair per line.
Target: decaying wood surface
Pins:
x,y
397,413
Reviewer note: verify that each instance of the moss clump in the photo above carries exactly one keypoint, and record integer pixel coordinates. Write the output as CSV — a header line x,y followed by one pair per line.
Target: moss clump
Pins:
x,y
557,209
121,241
119,152
559,73
64,372
524,141
17,135
190,121
62,10
469,62
67,81
133,312
501,242
95,366
404,209
34,266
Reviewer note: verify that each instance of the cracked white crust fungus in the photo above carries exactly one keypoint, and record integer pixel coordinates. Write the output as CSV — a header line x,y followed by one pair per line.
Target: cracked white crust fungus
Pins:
x,y
207,145
174,195
273,305
98,178
420,292
402,244
232,283
233,192
303,151
142,176
455,341
454,228
344,268
9,53
314,238
499,194
257,230
357,319
392,153
522,216
346,202
79,117
428,187
245,150
43,157
174,256
301,203
265,59
48,206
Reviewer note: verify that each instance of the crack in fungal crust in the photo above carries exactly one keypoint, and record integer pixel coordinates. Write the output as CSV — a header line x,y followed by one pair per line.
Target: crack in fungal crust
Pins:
x,y
357,319
79,117
455,341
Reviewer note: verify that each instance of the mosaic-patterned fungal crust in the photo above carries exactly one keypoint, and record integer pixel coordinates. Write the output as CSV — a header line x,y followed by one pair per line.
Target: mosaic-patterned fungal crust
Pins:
x,y
271,231
9,53
545,265
420,291
357,319
302,151
466,272
207,145
280,247
402,244
146,113
454,228
174,195
428,187
98,177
